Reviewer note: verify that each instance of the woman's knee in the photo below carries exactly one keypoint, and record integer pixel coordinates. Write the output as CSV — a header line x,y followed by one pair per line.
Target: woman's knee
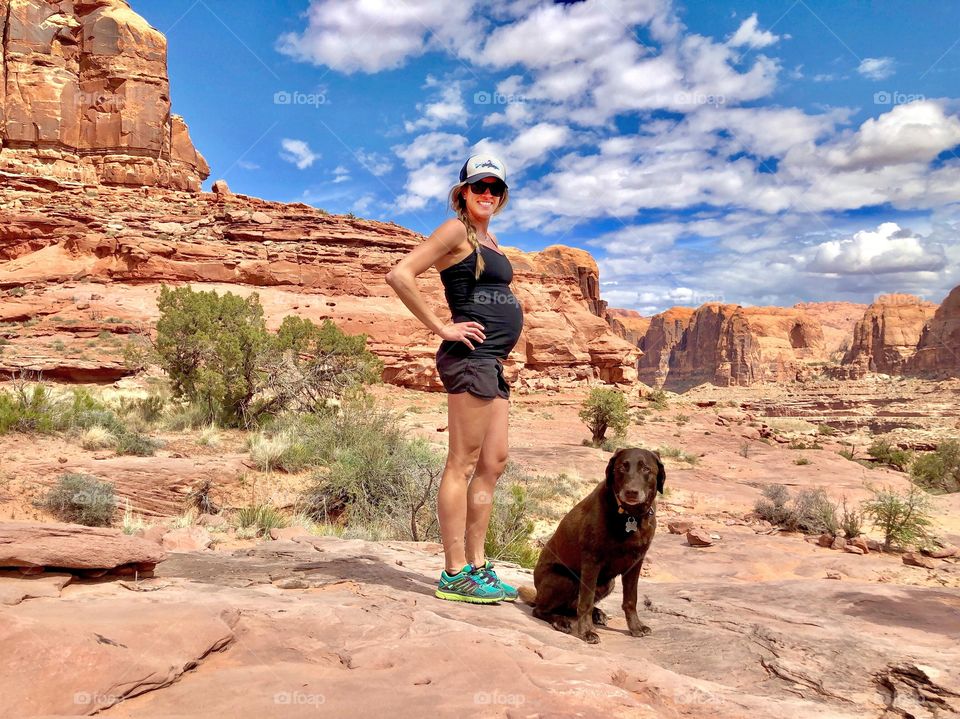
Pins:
x,y
462,464
493,466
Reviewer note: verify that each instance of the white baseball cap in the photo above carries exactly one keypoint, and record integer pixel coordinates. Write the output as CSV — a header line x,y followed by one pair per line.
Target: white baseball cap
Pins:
x,y
478,167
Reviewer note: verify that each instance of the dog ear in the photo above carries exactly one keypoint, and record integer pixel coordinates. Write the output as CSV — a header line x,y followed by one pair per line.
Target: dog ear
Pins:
x,y
610,465
661,473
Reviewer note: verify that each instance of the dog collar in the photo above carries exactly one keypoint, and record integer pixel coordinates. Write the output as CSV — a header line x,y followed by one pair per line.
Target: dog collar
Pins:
x,y
632,525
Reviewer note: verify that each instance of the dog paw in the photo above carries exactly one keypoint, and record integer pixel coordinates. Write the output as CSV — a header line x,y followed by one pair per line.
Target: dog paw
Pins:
x,y
600,617
640,631
591,637
561,625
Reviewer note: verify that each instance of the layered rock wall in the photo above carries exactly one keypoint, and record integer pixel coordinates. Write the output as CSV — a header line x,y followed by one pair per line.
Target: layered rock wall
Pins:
x,y
887,336
938,350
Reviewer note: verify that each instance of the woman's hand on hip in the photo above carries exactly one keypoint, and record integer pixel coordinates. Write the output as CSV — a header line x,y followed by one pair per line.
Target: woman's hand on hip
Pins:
x,y
463,332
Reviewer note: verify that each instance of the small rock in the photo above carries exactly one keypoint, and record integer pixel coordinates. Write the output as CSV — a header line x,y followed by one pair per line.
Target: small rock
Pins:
x,y
220,188
912,559
287,533
83,305
399,562
860,542
261,218
873,545
62,460
680,526
292,583
838,543
941,552
833,575
825,540
698,538
211,520
187,539
853,549
714,536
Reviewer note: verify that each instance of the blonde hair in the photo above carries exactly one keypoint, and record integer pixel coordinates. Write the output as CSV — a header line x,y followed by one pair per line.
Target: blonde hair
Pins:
x,y
458,204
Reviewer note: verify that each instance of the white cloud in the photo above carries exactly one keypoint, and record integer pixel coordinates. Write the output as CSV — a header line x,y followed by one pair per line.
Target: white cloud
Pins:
x,y
749,35
298,152
876,68
432,147
375,35
374,163
448,109
341,174
885,250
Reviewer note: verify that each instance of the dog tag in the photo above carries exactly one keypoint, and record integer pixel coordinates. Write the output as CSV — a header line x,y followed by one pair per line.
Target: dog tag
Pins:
x,y
631,524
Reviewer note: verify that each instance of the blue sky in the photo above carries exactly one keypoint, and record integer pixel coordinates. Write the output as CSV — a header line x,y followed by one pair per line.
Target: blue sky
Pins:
x,y
750,152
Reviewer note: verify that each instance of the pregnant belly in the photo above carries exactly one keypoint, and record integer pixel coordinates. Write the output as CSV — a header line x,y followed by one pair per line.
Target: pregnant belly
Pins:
x,y
500,314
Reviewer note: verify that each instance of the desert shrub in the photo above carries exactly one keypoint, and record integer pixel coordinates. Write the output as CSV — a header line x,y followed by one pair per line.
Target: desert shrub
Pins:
x,y
612,444
677,454
887,453
902,518
375,475
800,461
259,519
798,443
209,436
187,415
80,499
30,409
826,430
508,534
745,449
810,511
939,471
283,450
657,399
201,498
97,437
605,409
851,521
136,444
218,354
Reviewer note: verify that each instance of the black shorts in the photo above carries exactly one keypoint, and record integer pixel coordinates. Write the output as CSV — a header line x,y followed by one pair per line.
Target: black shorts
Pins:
x,y
480,376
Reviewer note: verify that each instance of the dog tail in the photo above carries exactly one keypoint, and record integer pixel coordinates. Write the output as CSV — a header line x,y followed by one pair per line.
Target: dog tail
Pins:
x,y
528,594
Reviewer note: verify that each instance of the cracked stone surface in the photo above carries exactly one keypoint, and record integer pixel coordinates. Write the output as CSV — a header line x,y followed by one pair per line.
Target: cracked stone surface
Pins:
x,y
212,634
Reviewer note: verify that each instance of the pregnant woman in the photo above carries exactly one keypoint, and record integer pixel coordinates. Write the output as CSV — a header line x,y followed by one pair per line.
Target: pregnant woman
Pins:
x,y
486,324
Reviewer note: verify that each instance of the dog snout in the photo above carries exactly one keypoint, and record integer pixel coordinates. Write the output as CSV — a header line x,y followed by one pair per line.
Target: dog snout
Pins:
x,y
631,495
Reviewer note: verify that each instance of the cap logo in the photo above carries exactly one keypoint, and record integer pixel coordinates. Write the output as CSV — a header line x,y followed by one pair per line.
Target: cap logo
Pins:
x,y
487,163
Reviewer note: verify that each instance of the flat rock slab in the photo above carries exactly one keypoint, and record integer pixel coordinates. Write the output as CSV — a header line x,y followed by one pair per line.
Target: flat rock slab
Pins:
x,y
72,546
15,587
70,658
360,630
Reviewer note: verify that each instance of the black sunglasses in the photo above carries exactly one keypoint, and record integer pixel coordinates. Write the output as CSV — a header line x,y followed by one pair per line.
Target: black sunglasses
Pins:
x,y
479,187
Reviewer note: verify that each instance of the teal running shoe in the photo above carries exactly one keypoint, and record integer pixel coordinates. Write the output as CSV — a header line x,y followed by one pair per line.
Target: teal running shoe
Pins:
x,y
468,585
509,593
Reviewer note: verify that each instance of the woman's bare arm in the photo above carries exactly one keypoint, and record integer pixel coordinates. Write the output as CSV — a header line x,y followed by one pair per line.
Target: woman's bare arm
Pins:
x,y
402,278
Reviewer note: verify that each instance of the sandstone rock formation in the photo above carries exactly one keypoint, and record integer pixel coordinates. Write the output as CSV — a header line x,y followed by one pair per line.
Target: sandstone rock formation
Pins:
x,y
84,96
71,546
729,345
837,319
938,351
629,324
82,267
886,338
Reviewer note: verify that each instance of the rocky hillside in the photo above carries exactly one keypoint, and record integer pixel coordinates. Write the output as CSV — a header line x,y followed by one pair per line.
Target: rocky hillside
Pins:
x,y
938,351
84,96
82,265
887,336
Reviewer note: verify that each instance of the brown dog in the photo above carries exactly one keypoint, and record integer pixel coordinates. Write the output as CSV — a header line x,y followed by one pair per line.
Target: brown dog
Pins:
x,y
605,536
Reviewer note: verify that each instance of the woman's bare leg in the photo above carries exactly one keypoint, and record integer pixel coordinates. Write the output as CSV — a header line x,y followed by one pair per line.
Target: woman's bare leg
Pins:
x,y
493,459
467,420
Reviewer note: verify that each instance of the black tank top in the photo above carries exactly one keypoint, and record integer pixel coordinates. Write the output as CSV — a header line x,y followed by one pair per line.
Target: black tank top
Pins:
x,y
487,300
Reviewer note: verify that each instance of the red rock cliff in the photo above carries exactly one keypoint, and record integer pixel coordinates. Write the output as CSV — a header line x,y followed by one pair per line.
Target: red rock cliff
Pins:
x,y
84,96
729,345
938,351
887,336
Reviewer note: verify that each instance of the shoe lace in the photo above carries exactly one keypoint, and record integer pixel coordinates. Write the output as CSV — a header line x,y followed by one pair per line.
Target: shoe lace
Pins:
x,y
486,571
